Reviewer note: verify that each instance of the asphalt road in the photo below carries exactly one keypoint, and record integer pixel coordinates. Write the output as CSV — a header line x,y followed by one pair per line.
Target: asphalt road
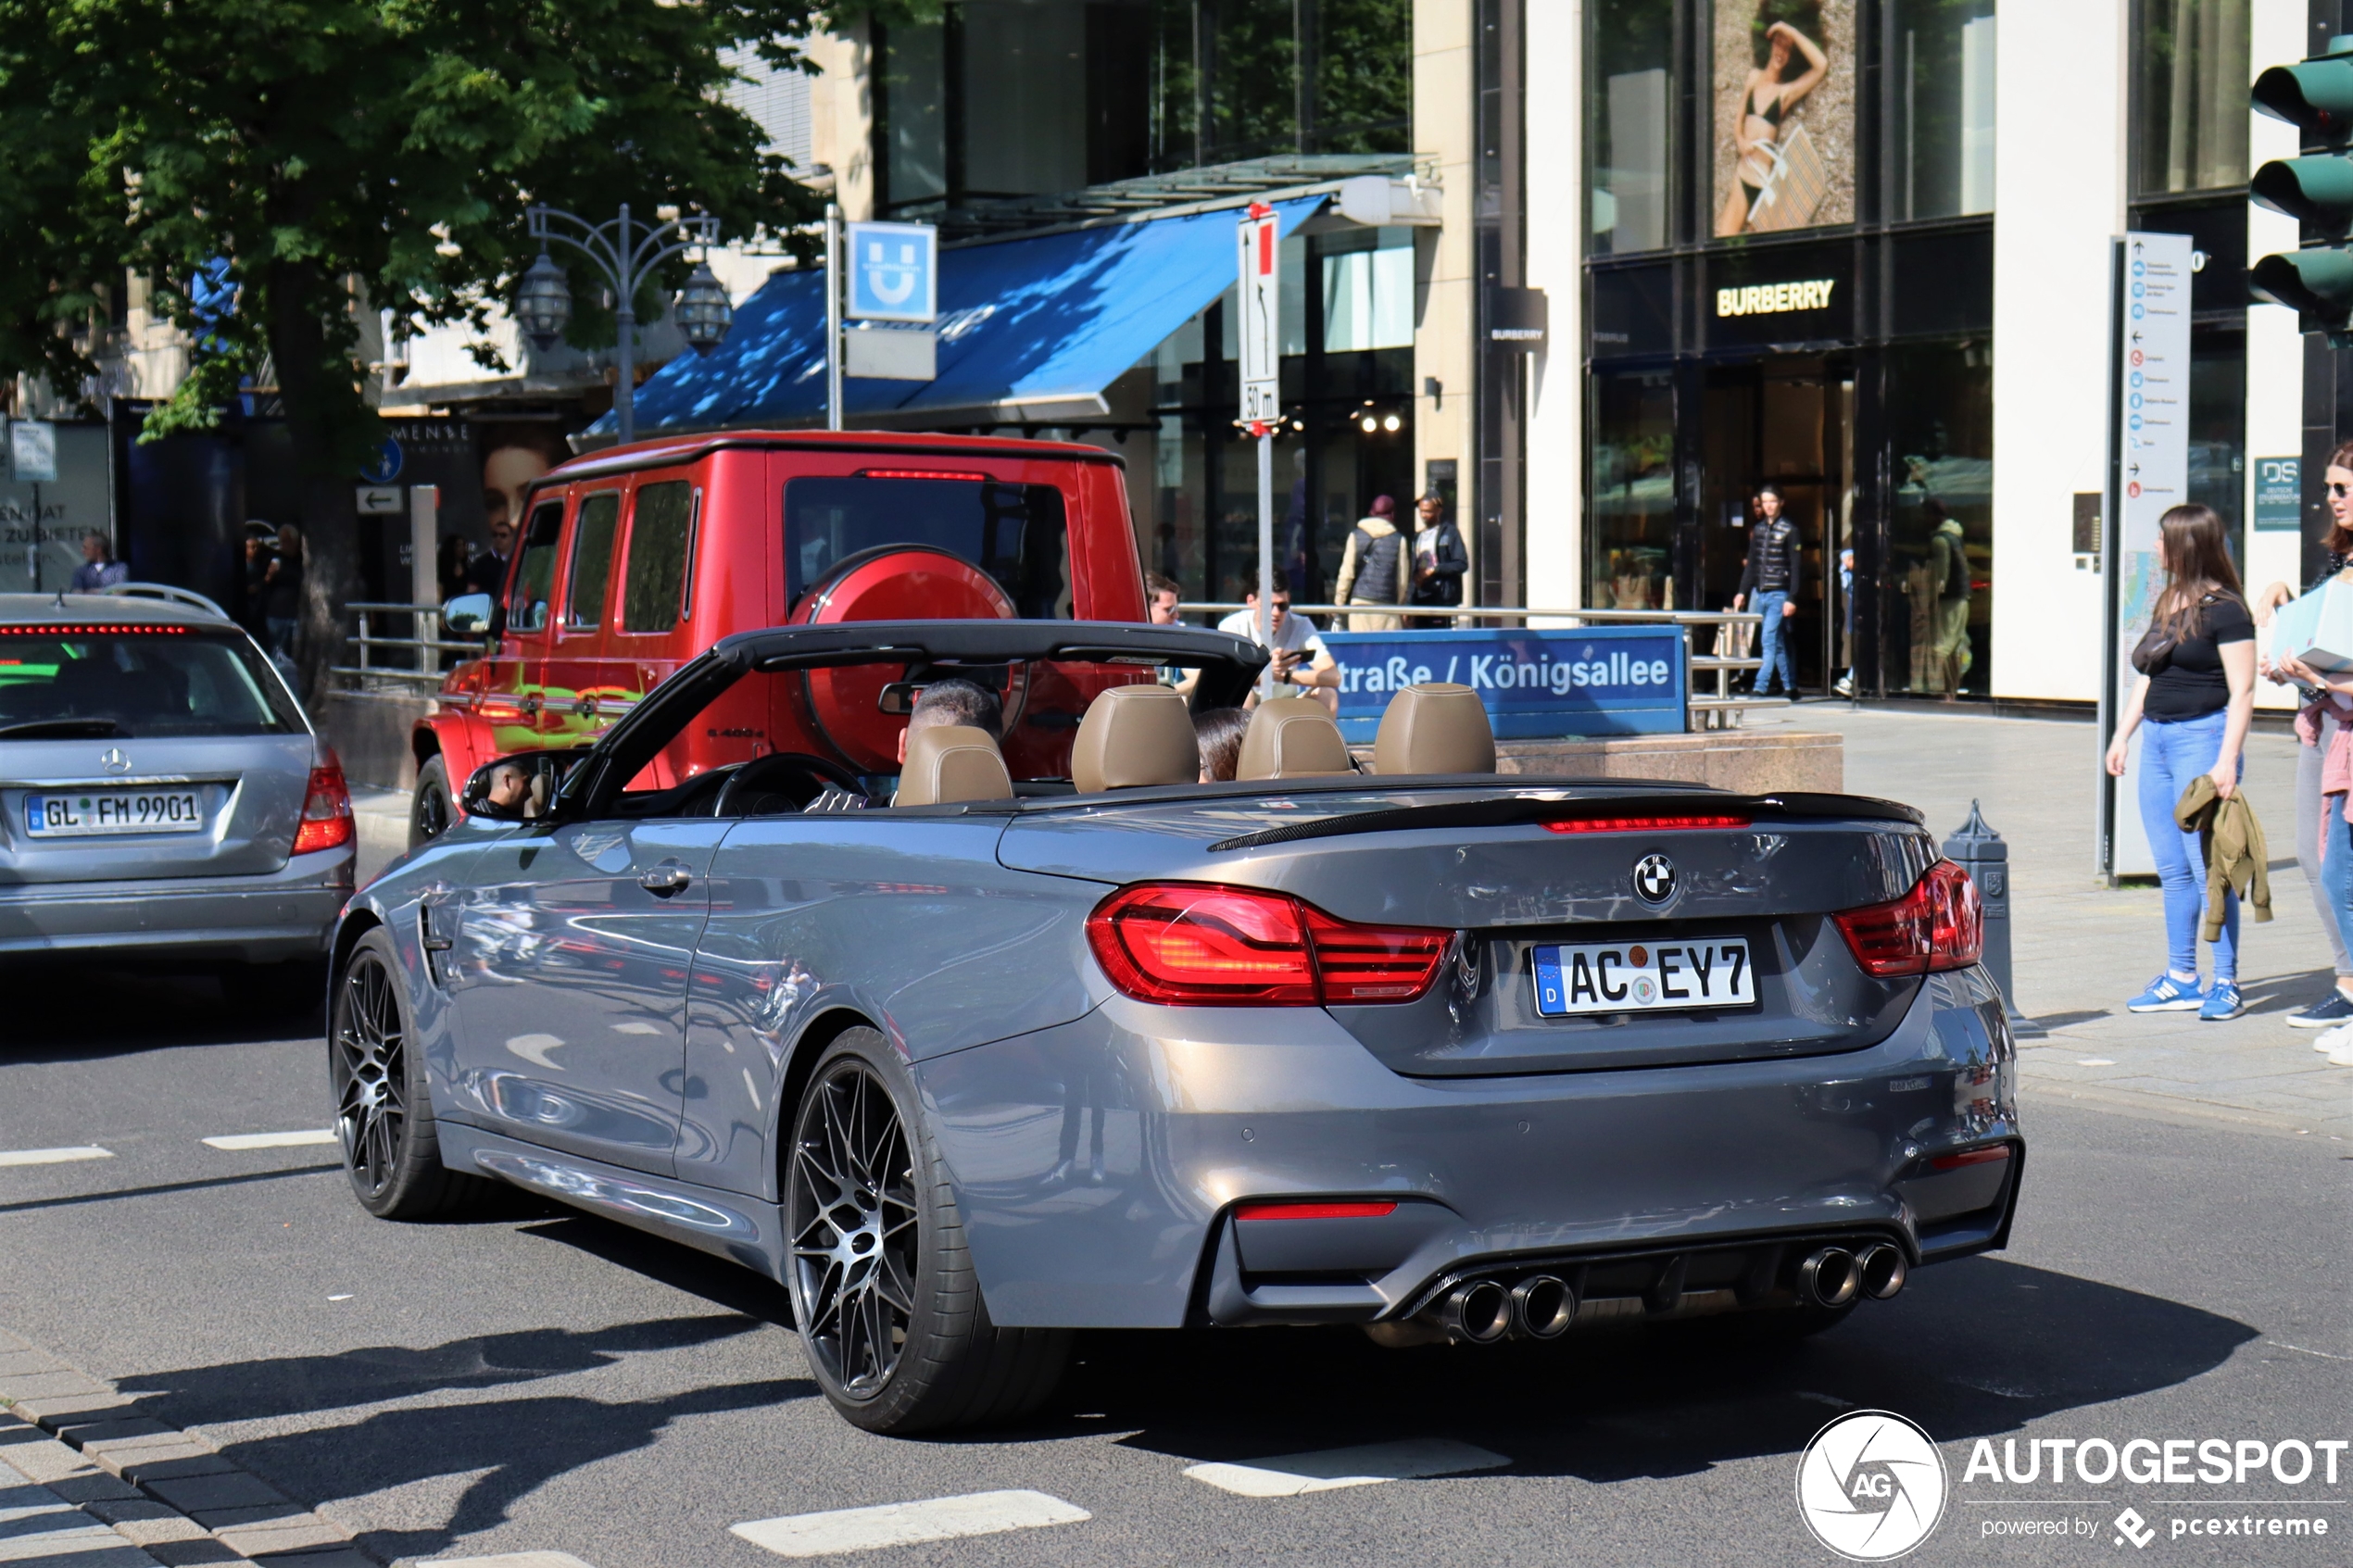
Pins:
x,y
546,1381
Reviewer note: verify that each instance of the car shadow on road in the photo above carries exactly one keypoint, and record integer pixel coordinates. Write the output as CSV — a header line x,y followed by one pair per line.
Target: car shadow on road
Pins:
x,y
716,1280
84,1013
1978,1348
284,1386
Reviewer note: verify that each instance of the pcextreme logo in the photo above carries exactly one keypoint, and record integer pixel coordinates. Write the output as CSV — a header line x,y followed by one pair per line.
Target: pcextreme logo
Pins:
x,y
1871,1486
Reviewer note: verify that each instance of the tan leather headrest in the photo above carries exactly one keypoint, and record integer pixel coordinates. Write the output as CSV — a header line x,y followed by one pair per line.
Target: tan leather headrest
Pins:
x,y
1291,737
948,762
1134,735
1437,727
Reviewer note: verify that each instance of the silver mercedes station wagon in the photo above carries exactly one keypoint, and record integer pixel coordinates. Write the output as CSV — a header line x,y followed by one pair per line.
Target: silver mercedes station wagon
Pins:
x,y
162,797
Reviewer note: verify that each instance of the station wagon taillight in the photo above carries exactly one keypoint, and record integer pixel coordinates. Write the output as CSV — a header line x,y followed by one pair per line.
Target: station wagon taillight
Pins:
x,y
1191,943
326,810
1938,925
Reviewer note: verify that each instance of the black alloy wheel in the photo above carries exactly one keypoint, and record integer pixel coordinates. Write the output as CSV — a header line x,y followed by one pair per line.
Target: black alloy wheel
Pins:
x,y
885,1298
383,1114
855,1226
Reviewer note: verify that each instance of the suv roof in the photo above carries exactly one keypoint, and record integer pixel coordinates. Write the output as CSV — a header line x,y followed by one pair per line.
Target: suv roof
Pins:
x,y
121,609
680,449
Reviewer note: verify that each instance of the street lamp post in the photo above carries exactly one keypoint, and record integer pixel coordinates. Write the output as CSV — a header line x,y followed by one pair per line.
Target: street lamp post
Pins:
x,y
543,303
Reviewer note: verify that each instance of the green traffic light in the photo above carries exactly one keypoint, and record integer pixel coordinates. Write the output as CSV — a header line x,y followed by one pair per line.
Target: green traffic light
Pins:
x,y
2317,284
2316,95
2318,191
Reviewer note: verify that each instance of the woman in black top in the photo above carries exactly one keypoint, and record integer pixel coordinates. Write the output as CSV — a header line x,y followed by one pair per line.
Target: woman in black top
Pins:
x,y
2193,703
2337,1005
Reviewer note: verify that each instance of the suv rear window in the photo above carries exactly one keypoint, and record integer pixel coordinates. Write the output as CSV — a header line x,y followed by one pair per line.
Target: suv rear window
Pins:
x,y
1017,533
68,681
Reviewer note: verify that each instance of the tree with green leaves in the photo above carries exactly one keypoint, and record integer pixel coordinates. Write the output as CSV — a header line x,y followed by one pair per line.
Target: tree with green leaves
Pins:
x,y
327,158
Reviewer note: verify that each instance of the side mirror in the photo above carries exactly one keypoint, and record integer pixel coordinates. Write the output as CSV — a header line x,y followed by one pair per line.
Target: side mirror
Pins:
x,y
518,789
468,615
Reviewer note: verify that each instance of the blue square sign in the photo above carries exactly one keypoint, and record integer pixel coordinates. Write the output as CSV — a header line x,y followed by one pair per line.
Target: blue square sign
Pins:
x,y
894,271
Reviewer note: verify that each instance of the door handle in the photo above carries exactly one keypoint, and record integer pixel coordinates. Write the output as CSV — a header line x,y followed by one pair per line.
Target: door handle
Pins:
x,y
666,879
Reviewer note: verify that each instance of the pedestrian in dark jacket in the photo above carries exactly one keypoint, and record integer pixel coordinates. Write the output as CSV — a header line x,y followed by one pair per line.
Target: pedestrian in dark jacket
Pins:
x,y
1769,585
1439,559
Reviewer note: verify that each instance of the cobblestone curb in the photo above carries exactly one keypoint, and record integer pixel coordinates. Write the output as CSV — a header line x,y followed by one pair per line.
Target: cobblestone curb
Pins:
x,y
168,1493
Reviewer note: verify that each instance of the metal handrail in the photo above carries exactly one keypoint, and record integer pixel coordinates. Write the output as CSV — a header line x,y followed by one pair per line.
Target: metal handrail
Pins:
x,y
1720,704
423,664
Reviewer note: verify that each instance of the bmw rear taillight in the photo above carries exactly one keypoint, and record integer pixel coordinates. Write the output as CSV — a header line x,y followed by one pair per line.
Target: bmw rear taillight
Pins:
x,y
1938,925
1190,943
1652,823
326,808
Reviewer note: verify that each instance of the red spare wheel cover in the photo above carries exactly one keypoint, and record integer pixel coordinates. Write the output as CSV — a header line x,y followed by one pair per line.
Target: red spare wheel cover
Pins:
x,y
890,582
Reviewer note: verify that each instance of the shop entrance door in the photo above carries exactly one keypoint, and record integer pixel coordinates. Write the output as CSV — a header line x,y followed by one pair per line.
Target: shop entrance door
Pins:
x,y
1788,421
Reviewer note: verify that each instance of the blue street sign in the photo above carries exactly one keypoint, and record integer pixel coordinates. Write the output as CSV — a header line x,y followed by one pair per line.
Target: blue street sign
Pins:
x,y
894,271
1564,681
384,465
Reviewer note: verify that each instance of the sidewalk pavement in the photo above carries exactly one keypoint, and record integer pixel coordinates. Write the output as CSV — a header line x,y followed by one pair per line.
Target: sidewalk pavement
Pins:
x,y
2080,949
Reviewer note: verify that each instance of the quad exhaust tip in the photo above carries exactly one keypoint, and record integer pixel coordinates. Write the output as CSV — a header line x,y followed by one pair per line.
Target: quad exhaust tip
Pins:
x,y
1543,1306
1880,1271
1829,1277
1479,1311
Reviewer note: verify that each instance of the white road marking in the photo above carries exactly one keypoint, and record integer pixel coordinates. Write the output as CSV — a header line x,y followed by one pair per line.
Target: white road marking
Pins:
x,y
636,1026
52,1156
2094,1062
1289,1476
271,1140
339,1297
907,1523
508,1560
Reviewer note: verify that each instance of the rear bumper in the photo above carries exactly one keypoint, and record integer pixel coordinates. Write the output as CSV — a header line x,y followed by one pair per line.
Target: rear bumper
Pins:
x,y
1096,1163
286,914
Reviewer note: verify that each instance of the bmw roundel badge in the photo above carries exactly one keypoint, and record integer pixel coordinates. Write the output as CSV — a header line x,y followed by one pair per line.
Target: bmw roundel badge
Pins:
x,y
1655,879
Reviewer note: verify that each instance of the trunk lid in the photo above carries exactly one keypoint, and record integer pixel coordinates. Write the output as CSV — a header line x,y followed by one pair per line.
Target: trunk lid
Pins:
x,y
1483,862
247,790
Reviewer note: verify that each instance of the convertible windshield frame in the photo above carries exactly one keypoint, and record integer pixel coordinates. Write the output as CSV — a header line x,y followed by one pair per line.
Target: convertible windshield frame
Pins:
x,y
1228,666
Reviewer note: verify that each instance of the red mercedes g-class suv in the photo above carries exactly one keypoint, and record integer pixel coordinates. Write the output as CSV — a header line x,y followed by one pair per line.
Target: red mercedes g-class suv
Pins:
x,y
632,561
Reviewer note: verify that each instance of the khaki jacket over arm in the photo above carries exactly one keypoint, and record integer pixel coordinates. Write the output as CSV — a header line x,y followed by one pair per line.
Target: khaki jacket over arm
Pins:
x,y
2230,839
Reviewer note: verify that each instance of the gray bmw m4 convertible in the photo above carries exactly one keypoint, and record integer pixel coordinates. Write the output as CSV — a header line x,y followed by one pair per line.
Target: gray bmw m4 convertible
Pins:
x,y
972,1062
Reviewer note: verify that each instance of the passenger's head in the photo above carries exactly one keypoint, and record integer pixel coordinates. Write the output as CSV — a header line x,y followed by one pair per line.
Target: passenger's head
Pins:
x,y
1219,730
1160,599
954,701
1282,607
96,546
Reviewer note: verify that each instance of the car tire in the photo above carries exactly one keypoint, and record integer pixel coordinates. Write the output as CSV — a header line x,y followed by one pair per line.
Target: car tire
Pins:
x,y
883,1295
383,1114
430,809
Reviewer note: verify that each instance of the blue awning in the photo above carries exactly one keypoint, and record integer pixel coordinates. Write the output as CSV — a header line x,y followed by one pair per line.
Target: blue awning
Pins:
x,y
1024,324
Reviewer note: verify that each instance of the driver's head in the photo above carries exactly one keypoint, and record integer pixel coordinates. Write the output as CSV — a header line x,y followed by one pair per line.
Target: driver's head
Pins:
x,y
955,702
509,783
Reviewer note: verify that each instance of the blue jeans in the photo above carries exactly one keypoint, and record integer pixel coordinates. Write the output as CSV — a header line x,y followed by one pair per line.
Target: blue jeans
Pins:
x,y
1777,654
2172,753
2336,866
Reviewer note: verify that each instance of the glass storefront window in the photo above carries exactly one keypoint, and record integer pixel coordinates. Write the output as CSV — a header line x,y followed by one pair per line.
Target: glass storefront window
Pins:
x,y
1368,290
2218,425
1941,135
2191,70
1936,612
1631,53
914,131
1632,527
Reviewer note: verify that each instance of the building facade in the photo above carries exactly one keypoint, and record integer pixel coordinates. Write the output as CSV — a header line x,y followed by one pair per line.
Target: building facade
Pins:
x,y
1859,250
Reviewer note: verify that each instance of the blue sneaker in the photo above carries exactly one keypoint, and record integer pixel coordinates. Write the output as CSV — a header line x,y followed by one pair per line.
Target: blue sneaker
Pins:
x,y
2222,1000
2168,994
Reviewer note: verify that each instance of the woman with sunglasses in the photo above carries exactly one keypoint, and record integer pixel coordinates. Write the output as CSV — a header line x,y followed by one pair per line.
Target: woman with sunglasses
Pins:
x,y
2323,717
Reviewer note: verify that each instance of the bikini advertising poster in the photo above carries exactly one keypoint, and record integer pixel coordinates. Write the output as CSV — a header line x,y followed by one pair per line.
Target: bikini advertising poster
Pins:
x,y
1784,115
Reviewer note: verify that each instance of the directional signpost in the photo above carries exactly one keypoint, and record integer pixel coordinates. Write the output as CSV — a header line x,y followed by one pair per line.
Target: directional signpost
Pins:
x,y
879,273
2149,471
1258,298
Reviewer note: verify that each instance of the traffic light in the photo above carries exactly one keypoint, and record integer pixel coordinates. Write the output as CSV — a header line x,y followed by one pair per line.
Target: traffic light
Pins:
x,y
2315,281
